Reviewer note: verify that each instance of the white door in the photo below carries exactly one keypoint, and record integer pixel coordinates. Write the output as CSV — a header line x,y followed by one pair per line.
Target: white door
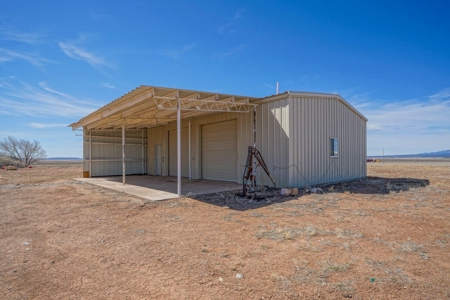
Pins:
x,y
219,151
184,153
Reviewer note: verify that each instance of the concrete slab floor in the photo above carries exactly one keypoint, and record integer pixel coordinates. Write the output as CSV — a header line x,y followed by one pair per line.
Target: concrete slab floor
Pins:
x,y
156,188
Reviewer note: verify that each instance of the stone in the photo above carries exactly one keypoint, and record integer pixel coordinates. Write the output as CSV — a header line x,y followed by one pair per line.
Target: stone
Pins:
x,y
289,191
285,192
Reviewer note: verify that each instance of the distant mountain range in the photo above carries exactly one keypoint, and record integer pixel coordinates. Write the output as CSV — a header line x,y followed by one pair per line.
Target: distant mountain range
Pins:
x,y
64,158
443,153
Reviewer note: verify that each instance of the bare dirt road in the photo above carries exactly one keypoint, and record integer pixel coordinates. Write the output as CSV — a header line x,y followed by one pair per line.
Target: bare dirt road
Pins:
x,y
61,239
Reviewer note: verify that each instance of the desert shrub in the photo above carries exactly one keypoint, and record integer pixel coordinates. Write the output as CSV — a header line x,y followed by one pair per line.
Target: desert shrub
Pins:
x,y
8,161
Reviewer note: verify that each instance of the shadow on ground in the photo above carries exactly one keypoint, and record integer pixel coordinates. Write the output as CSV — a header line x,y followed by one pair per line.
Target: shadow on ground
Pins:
x,y
376,185
268,196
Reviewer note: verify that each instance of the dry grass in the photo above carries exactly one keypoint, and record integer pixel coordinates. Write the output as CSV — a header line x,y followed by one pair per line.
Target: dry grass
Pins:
x,y
362,244
287,233
392,274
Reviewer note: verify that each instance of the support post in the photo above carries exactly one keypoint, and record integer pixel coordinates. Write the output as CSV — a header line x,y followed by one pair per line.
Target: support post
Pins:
x,y
123,154
190,158
90,153
179,147
143,152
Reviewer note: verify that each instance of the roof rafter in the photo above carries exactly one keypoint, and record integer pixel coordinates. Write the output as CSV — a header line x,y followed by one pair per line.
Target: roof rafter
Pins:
x,y
149,106
167,103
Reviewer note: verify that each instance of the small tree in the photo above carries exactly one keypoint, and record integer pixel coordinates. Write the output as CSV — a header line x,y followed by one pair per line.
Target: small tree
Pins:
x,y
24,151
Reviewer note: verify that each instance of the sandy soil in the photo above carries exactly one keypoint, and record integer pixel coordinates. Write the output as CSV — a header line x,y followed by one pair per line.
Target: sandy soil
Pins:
x,y
61,239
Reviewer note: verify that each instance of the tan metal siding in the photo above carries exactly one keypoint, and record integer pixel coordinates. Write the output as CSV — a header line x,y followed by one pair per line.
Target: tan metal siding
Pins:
x,y
219,151
155,137
273,140
244,139
107,152
293,135
324,118
184,153
159,135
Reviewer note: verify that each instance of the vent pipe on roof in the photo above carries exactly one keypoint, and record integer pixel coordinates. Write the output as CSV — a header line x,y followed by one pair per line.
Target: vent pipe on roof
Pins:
x,y
277,88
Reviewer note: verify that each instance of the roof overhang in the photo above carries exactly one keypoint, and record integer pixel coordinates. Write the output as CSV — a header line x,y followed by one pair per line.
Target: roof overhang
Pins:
x,y
150,106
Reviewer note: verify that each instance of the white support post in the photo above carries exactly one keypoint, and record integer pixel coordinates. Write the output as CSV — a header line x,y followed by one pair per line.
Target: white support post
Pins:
x,y
179,147
90,154
143,148
190,158
123,154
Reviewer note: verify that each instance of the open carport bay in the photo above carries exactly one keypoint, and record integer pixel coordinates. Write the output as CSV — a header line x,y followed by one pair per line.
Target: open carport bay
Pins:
x,y
159,188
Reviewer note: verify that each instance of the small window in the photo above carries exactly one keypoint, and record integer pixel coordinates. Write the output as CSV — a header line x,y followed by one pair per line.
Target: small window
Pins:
x,y
334,147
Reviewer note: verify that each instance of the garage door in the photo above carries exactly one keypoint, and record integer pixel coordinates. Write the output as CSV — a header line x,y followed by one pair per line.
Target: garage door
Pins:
x,y
184,153
219,151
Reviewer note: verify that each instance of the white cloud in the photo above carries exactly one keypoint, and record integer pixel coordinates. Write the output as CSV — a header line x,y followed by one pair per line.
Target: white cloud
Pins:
x,y
109,86
441,95
9,55
43,125
177,53
96,16
228,27
10,34
45,87
232,51
74,49
404,127
76,52
17,98
403,115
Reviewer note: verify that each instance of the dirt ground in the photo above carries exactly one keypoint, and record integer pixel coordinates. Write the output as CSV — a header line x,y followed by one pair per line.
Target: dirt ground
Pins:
x,y
387,237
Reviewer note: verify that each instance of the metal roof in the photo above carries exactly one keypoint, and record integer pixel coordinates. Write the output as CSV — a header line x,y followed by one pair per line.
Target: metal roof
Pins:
x,y
288,94
149,106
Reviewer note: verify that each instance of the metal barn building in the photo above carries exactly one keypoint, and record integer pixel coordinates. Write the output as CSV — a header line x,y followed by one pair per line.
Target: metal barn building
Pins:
x,y
305,138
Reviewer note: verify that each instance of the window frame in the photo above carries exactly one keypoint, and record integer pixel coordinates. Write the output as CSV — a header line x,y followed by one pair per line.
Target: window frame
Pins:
x,y
334,147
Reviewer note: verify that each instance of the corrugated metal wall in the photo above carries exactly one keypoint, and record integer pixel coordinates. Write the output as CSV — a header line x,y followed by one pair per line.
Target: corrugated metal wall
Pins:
x,y
219,151
172,155
272,140
155,137
293,136
313,122
106,149
159,135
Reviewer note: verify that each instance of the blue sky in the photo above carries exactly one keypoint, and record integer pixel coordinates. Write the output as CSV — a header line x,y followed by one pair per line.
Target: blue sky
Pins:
x,y
60,60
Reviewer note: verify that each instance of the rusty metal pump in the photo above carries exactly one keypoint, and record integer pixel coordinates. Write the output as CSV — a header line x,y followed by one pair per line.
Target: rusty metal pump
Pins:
x,y
249,178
